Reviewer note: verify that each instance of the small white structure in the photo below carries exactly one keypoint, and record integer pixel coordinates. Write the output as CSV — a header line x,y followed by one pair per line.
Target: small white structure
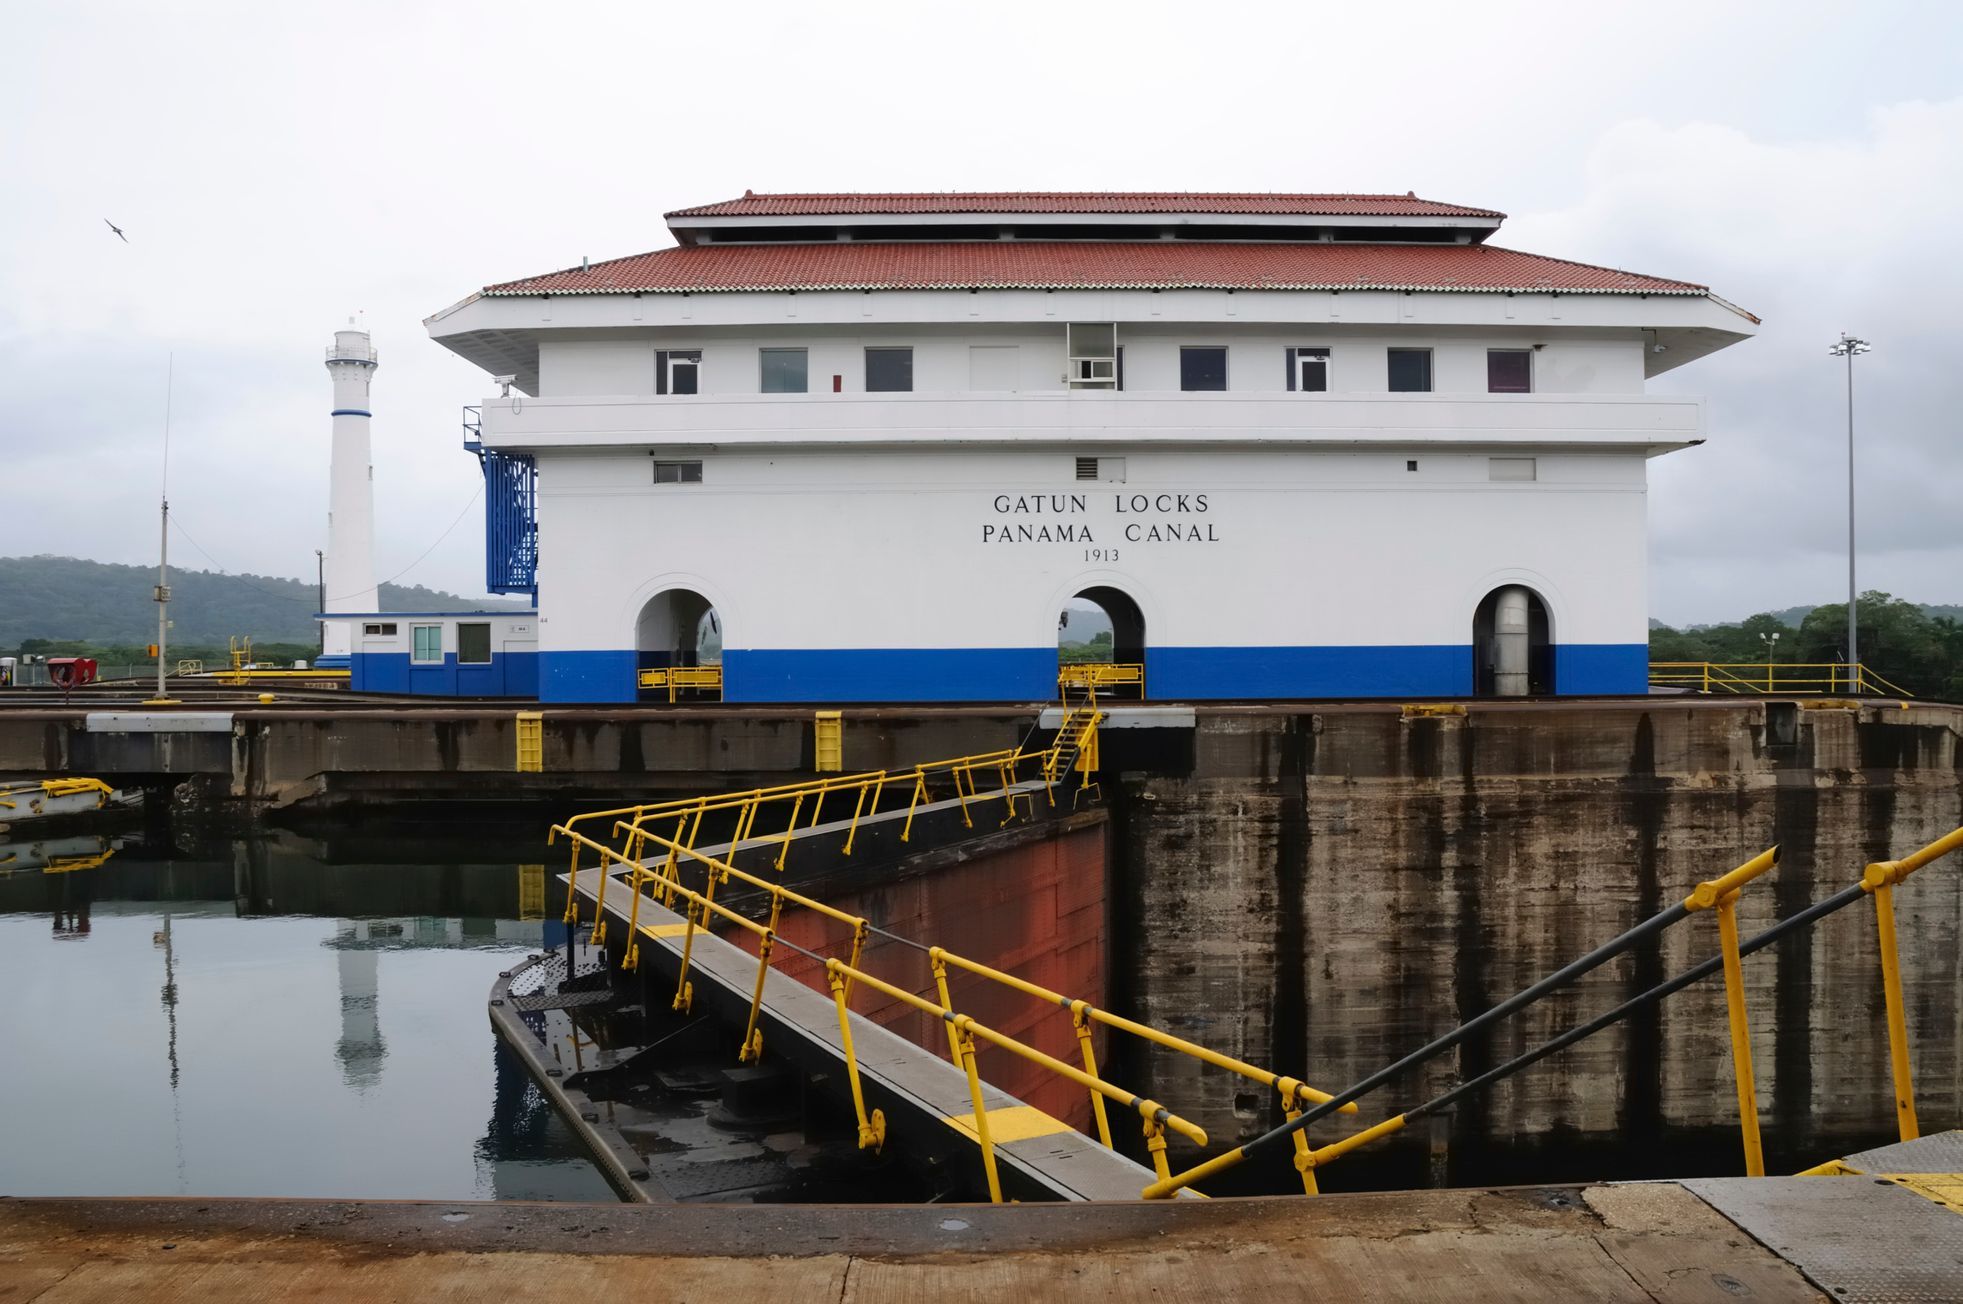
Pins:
x,y
869,447
348,570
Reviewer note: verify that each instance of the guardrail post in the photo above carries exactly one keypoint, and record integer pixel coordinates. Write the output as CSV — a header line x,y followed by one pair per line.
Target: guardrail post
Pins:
x,y
1891,987
965,1041
632,958
1741,1035
1082,1024
1291,1110
872,1127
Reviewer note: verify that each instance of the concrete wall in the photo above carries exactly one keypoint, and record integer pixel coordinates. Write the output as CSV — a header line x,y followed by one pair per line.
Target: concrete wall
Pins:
x,y
1333,889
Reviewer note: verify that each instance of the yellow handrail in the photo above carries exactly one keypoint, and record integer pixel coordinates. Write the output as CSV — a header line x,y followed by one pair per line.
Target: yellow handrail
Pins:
x,y
1762,677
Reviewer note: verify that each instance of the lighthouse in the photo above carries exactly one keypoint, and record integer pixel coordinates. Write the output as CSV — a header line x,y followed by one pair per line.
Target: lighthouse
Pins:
x,y
348,571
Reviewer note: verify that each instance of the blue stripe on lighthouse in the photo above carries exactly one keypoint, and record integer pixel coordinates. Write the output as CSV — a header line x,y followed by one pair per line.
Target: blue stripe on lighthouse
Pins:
x,y
349,412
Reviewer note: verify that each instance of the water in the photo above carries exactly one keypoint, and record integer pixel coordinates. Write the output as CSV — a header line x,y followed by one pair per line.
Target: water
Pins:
x,y
275,1016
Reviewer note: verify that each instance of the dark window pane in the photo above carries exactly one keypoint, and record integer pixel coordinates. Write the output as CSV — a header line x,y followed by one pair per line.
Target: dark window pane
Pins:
x,y
1410,371
1312,370
1509,371
682,378
1202,368
889,371
473,644
783,371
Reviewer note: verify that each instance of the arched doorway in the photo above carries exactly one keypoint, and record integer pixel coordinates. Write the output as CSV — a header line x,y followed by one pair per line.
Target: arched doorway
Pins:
x,y
1512,647
1103,627
677,628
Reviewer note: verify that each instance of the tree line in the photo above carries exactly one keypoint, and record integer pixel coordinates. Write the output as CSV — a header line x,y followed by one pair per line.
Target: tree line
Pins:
x,y
1919,648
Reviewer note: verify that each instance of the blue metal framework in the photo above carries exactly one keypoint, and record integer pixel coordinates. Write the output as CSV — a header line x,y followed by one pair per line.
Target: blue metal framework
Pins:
x,y
510,514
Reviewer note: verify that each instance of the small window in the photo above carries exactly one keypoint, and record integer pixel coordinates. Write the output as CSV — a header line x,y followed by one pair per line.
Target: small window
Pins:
x,y
1410,371
474,643
428,643
1411,465
785,371
1093,349
1203,368
379,630
889,371
1308,370
1509,371
1510,468
678,473
677,371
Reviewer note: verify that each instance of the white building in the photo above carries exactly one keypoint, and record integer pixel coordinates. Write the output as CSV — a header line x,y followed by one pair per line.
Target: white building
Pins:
x,y
872,445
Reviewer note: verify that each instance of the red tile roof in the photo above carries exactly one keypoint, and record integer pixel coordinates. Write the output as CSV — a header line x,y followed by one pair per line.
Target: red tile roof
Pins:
x,y
1088,265
1030,201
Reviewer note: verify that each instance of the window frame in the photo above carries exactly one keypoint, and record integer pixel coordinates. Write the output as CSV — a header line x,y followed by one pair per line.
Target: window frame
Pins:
x,y
763,373
871,349
665,361
378,629
416,656
1297,355
1526,354
686,470
1226,377
489,655
1390,377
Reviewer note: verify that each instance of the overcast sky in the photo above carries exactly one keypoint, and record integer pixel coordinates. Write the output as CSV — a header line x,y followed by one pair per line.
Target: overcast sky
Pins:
x,y
278,167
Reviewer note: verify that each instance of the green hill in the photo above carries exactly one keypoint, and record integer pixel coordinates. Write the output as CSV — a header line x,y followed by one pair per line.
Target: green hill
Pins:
x,y
68,599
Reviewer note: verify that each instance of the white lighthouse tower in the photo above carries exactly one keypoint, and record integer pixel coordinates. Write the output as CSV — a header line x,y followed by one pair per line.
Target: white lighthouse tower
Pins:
x,y
349,566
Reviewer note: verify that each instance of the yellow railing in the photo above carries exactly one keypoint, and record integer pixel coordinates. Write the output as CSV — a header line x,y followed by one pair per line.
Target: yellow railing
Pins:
x,y
1771,677
676,679
659,877
1093,675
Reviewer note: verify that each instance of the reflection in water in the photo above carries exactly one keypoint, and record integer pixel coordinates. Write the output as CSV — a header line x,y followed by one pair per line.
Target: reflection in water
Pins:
x,y
257,1068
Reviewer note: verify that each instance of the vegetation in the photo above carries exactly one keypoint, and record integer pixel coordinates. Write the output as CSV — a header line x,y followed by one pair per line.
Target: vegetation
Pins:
x,y
64,598
1097,649
1919,648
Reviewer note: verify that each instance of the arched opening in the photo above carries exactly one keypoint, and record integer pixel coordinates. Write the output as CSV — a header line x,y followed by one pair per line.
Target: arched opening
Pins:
x,y
677,628
1512,652
1103,627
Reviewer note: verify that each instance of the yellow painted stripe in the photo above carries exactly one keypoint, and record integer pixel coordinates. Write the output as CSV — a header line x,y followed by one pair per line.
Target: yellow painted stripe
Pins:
x,y
1945,1189
1015,1123
664,930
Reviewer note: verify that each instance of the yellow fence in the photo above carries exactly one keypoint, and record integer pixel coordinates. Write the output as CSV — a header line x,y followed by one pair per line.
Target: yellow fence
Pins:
x,y
1770,677
677,679
1093,675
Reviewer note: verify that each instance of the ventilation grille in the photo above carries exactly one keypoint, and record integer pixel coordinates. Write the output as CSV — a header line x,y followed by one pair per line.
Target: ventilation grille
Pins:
x,y
1087,468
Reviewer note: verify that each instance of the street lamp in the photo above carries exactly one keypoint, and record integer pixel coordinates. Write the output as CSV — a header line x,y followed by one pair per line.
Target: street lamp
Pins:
x,y
1847,346
1771,641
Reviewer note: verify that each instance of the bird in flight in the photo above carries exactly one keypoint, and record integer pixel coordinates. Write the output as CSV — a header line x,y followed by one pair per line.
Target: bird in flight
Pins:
x,y
117,229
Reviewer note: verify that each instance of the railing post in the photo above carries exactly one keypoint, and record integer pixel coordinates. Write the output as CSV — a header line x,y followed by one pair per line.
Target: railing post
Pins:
x,y
632,958
872,1128
1291,1109
1880,882
1741,1036
1083,1027
965,1041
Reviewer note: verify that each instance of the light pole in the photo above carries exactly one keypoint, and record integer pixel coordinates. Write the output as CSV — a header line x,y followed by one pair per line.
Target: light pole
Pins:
x,y
1771,642
1847,346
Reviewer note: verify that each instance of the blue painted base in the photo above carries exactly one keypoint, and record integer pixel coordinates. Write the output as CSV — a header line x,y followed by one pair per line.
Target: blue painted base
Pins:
x,y
1187,674
512,674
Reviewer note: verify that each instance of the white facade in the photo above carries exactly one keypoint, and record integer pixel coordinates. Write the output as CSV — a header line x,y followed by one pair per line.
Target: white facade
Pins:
x,y
919,545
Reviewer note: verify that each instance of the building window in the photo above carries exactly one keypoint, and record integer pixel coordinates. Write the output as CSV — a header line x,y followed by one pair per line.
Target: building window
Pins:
x,y
1203,368
1411,464
428,644
379,630
1308,370
677,371
1515,469
1093,349
474,643
1509,371
889,371
678,473
1410,371
785,371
